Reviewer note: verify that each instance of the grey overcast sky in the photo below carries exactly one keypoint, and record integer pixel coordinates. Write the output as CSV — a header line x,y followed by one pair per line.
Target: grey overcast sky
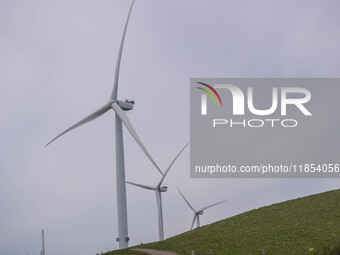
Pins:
x,y
57,61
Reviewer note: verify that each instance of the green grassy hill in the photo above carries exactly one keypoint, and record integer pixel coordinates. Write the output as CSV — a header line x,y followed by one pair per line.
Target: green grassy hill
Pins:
x,y
308,225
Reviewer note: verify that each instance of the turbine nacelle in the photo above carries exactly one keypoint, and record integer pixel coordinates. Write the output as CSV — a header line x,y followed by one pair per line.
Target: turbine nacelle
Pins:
x,y
163,189
126,105
199,213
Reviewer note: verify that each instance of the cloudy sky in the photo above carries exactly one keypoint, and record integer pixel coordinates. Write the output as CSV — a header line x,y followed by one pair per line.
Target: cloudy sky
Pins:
x,y
57,61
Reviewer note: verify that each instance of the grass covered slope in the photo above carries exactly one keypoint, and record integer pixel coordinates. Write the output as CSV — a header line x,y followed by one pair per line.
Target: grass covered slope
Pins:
x,y
292,227
125,252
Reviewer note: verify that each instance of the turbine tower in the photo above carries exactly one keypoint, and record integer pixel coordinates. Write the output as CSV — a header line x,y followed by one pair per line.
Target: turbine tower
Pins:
x,y
158,191
43,243
199,212
119,107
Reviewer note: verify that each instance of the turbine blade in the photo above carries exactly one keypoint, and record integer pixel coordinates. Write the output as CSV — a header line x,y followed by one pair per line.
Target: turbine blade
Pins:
x,y
115,86
193,222
192,208
141,186
124,118
89,118
169,167
204,208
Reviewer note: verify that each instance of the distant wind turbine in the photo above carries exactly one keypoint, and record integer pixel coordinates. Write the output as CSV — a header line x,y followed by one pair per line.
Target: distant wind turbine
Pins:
x,y
199,212
158,190
119,107
43,243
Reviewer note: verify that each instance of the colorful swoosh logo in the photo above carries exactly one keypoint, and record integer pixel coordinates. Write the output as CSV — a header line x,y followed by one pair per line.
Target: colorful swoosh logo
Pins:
x,y
209,93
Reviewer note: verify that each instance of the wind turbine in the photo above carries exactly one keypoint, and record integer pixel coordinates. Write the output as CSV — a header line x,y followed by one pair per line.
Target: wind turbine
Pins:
x,y
119,107
158,190
199,212
43,243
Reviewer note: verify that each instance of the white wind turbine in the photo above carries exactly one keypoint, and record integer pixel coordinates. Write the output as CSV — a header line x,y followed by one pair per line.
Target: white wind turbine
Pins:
x,y
43,243
199,212
119,107
158,190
